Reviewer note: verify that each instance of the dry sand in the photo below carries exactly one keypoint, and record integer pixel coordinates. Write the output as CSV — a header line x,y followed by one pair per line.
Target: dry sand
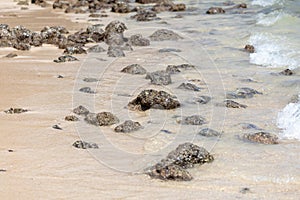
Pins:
x,y
44,165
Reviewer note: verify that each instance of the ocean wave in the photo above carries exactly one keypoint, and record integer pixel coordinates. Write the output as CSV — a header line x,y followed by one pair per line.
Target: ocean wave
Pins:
x,y
273,17
289,120
271,51
265,3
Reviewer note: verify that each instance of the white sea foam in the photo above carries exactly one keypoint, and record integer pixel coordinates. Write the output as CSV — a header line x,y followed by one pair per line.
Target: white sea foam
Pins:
x,y
289,120
271,51
271,18
265,3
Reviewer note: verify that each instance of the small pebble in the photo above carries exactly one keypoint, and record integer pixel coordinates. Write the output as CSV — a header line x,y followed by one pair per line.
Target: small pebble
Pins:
x,y
56,127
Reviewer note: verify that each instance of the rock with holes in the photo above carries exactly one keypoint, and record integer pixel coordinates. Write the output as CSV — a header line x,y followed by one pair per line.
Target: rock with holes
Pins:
x,y
164,34
262,137
145,15
208,132
114,33
74,49
66,58
85,145
115,51
101,119
138,40
154,99
71,118
128,126
215,10
15,111
134,69
121,7
96,49
192,120
249,48
87,90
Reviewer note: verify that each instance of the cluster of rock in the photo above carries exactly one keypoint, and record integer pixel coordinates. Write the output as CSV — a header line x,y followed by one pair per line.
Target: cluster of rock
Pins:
x,y
15,111
175,165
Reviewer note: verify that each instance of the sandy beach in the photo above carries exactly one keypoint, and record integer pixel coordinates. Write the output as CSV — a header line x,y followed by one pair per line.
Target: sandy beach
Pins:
x,y
39,162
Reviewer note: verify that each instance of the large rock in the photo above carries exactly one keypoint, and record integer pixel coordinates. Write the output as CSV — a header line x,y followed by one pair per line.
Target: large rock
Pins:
x,y
159,78
164,34
101,119
144,15
148,99
114,33
138,40
134,69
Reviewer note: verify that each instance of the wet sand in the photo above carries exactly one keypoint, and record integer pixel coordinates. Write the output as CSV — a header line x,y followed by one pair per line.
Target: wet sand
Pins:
x,y
44,165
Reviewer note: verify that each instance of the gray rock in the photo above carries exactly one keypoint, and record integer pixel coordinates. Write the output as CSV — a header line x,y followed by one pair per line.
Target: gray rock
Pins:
x,y
164,34
76,49
244,93
189,86
15,111
261,137
134,69
87,90
166,171
144,15
159,78
85,145
249,126
200,100
167,50
96,49
11,55
138,40
148,99
66,58
215,10
80,110
101,119
233,104
71,118
114,33
128,126
90,80
207,132
192,120
115,51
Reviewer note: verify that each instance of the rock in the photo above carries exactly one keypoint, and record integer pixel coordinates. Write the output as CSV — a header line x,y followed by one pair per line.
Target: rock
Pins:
x,y
85,145
80,110
233,104
286,72
138,40
249,126
249,48
11,55
168,5
15,111
159,78
3,170
71,118
174,69
192,120
146,1
21,46
61,4
36,39
144,15
121,7
76,49
200,100
56,127
101,119
134,69
242,93
245,190
174,166
114,33
128,126
207,132
262,137
164,34
178,7
115,51
215,10
90,80
66,58
165,171
148,99
96,49
168,50
87,90
241,5
189,86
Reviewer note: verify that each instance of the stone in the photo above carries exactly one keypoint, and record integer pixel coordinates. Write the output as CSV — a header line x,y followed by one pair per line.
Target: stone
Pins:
x,y
87,90
189,86
134,69
21,46
200,100
233,104
56,127
61,4
242,93
80,110
101,119
168,5
168,50
249,48
90,80
207,132
173,172
154,99
71,118
286,72
121,7
164,34
96,49
128,126
138,40
192,120
262,137
215,10
159,78
65,58
15,111
114,33
85,145
249,126
144,15
174,69
115,51
76,49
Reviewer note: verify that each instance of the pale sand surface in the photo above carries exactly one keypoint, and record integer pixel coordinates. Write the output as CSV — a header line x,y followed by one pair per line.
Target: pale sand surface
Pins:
x,y
44,165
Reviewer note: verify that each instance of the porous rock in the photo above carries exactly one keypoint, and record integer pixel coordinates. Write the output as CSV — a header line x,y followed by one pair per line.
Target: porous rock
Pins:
x,y
134,69
164,34
262,137
128,126
159,77
192,120
81,110
85,145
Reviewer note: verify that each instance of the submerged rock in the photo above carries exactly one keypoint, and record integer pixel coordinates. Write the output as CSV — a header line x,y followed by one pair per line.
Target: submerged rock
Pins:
x,y
71,118
207,132
96,49
215,10
249,48
286,72
15,111
233,104
85,145
148,99
80,110
262,137
249,126
134,69
121,7
115,51
244,93
138,40
173,69
87,90
66,58
11,55
189,86
164,34
192,120
101,119
128,126
159,78
167,50
145,15
89,80
114,33
174,166
200,99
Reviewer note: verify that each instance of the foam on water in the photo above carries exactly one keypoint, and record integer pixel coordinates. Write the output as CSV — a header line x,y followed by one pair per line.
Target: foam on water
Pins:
x,y
271,18
265,3
289,120
271,51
